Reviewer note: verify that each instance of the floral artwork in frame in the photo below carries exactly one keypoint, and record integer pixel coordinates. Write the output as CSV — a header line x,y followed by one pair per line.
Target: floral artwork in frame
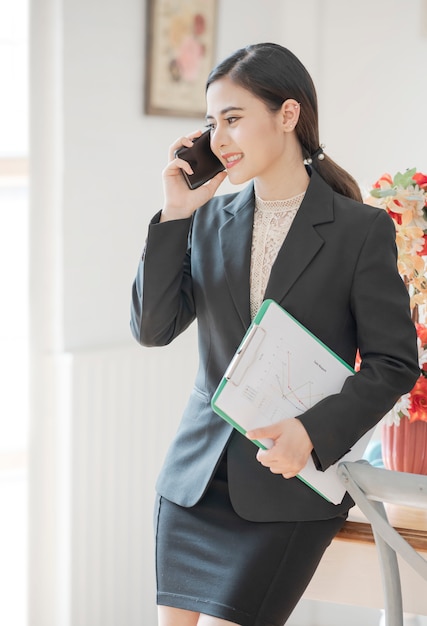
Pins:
x,y
179,56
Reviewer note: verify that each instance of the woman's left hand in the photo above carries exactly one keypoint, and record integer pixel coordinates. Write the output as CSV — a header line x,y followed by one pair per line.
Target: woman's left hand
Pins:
x,y
291,447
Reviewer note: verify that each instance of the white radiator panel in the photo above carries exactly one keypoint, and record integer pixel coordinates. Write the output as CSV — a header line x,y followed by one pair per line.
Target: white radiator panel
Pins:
x,y
125,406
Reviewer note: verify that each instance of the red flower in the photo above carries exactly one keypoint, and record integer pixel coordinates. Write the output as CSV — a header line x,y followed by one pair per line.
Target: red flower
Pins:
x,y
418,410
384,178
422,333
199,24
397,217
357,361
423,251
421,180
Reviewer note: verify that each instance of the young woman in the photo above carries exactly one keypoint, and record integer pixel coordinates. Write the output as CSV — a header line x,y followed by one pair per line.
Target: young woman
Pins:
x,y
238,535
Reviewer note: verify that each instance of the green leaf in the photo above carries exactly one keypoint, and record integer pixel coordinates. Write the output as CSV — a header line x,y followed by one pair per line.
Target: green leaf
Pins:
x,y
404,180
382,193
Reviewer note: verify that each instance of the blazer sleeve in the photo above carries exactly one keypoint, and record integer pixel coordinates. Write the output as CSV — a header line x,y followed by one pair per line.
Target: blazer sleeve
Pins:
x,y
387,344
162,303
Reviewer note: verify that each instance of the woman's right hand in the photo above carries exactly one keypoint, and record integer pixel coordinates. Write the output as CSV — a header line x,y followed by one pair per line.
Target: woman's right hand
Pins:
x,y
179,200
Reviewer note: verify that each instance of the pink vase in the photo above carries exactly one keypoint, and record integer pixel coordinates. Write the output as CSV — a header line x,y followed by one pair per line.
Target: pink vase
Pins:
x,y
404,447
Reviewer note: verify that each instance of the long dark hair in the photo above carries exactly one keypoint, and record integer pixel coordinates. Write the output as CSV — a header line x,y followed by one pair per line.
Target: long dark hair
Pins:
x,y
274,74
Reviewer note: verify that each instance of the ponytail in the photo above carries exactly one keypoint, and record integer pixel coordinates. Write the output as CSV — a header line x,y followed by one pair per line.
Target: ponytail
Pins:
x,y
337,178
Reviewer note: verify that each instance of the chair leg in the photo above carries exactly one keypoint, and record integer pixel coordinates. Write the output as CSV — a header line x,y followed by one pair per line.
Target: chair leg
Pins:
x,y
409,619
390,576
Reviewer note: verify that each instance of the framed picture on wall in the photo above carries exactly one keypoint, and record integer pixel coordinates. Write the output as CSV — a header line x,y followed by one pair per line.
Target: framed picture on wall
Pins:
x,y
180,37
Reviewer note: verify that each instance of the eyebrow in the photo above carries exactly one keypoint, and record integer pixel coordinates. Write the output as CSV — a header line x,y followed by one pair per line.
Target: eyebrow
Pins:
x,y
226,110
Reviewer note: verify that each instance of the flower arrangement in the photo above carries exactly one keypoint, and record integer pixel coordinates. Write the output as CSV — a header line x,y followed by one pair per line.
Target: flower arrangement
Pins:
x,y
413,405
404,197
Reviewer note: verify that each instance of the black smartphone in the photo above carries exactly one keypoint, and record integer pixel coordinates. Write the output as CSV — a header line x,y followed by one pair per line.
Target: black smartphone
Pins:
x,y
204,163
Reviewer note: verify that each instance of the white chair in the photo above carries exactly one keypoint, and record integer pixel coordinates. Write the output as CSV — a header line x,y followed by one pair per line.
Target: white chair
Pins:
x,y
370,487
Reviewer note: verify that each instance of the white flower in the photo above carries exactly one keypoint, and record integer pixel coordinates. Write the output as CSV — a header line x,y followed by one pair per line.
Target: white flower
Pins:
x,y
400,409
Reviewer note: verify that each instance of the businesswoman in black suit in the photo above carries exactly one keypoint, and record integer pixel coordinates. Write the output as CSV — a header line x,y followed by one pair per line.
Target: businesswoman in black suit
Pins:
x,y
238,536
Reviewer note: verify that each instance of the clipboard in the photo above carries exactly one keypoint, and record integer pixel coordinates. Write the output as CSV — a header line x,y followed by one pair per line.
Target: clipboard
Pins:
x,y
280,370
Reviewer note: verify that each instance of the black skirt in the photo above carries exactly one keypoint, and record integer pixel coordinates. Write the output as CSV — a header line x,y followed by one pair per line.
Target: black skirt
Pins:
x,y
210,560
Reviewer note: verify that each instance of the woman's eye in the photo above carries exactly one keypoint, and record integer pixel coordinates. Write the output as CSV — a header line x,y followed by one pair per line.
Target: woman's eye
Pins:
x,y
230,120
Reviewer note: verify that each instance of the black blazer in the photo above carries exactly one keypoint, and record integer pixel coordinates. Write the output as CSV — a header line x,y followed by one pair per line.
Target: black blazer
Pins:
x,y
336,273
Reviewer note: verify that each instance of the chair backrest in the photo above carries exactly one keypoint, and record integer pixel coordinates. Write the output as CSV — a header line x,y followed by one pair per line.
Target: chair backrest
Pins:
x,y
370,487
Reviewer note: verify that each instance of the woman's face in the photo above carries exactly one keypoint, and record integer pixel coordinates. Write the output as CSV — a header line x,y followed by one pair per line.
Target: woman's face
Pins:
x,y
245,135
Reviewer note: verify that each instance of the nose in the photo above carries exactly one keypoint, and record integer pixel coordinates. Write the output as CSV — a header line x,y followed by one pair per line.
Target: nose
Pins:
x,y
219,139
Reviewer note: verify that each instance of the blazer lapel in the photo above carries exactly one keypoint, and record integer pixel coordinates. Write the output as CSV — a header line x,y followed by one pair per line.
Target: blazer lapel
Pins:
x,y
235,237
303,242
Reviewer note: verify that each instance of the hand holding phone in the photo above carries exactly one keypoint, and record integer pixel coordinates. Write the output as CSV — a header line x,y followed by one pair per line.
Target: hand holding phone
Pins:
x,y
203,162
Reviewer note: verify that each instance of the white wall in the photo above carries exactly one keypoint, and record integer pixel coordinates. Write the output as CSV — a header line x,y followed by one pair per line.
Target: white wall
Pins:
x,y
368,59
96,182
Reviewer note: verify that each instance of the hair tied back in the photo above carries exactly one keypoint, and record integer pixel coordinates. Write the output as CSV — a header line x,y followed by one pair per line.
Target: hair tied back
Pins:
x,y
318,154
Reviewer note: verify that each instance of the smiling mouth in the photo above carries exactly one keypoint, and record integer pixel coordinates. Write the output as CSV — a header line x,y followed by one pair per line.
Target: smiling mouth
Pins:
x,y
232,159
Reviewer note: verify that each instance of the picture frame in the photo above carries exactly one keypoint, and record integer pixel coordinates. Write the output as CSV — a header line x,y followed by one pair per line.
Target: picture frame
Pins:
x,y
180,49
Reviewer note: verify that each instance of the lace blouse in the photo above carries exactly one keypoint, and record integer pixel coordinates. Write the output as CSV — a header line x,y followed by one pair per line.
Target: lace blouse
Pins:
x,y
272,221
